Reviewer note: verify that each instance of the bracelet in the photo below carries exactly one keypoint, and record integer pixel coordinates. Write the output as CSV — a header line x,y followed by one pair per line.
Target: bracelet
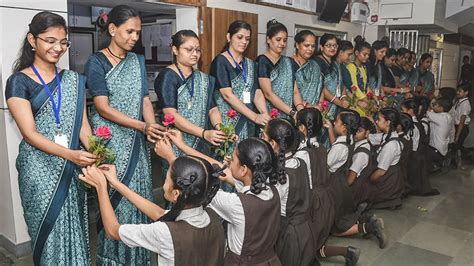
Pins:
x,y
145,127
203,131
292,112
401,90
342,97
299,105
333,98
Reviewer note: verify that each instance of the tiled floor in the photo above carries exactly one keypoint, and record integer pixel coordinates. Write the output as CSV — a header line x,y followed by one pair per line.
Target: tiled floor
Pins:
x,y
435,230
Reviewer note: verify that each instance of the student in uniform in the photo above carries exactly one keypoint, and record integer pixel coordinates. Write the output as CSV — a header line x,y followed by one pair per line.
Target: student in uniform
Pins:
x,y
348,215
387,178
358,176
462,111
309,122
417,168
441,132
405,134
183,235
253,213
295,245
276,73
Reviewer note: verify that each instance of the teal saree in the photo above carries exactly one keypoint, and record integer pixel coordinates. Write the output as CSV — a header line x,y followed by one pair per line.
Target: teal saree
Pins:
x,y
126,90
308,79
283,81
53,199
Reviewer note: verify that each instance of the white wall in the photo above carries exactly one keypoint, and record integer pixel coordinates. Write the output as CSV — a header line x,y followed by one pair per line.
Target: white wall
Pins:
x,y
14,19
455,6
450,70
290,19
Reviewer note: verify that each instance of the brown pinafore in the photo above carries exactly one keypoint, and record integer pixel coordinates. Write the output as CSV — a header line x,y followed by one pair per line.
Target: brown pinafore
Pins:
x,y
198,246
262,224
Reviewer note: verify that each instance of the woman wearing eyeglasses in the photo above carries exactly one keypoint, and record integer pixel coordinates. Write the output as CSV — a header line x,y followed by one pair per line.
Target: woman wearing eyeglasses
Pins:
x,y
117,81
186,94
48,105
332,78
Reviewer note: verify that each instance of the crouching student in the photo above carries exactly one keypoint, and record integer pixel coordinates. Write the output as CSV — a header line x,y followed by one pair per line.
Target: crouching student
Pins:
x,y
441,132
295,245
358,176
188,234
349,220
323,211
253,213
387,178
417,168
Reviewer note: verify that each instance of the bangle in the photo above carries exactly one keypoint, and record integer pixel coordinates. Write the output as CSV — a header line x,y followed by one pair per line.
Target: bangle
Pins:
x,y
292,112
333,98
342,97
145,127
401,90
299,105
216,125
203,131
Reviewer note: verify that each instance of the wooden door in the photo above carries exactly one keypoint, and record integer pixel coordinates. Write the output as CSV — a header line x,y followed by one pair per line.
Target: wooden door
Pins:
x,y
214,23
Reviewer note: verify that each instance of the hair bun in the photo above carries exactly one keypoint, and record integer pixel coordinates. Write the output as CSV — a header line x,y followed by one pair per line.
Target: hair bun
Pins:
x,y
272,22
359,39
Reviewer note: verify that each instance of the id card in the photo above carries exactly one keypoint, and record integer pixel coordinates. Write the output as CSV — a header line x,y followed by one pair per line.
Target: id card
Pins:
x,y
246,97
62,140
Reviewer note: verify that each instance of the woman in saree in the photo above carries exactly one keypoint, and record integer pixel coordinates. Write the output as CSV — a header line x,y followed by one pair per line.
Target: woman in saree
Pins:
x,y
308,74
332,78
401,76
117,82
186,94
375,65
48,105
276,73
237,84
423,79
359,75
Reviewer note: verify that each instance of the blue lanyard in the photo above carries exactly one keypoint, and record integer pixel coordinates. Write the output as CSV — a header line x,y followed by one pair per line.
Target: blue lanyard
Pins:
x,y
56,108
243,68
191,91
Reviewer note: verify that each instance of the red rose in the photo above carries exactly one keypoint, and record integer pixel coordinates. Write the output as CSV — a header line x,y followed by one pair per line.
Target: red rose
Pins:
x,y
169,120
353,88
370,95
231,114
274,113
325,105
393,93
103,132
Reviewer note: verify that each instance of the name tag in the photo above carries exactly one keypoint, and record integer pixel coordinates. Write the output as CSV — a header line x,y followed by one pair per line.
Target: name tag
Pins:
x,y
246,97
62,140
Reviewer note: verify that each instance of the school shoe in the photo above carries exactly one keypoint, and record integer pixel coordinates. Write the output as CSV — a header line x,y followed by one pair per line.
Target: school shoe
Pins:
x,y
352,256
376,227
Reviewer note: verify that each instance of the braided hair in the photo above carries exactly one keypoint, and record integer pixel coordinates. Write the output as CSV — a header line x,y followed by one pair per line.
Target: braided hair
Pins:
x,y
351,120
258,156
406,124
392,115
282,132
367,125
312,120
198,182
411,104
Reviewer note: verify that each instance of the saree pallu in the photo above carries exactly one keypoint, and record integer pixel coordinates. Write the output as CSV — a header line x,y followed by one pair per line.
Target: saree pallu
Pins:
x,y
198,112
375,80
283,82
244,128
53,200
333,82
126,92
308,79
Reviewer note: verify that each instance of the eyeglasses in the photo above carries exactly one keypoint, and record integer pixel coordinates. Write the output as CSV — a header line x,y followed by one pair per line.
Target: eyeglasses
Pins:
x,y
335,46
65,43
191,50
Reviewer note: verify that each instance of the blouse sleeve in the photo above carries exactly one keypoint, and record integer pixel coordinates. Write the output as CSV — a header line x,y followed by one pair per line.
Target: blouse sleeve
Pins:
x,y
212,88
264,67
166,88
220,71
95,72
17,87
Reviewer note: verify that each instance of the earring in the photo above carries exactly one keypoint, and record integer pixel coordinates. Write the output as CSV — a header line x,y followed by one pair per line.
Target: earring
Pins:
x,y
33,49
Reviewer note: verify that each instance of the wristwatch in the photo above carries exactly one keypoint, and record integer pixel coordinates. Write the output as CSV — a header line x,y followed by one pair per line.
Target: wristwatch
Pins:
x,y
292,112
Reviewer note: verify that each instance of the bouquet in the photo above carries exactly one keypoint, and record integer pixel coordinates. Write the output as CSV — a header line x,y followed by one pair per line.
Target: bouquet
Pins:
x,y
353,100
229,131
98,146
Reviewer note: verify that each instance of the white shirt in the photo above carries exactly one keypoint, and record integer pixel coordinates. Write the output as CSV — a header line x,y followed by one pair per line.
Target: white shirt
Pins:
x,y
442,130
156,236
337,155
303,155
229,207
416,135
462,107
390,154
360,160
283,189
